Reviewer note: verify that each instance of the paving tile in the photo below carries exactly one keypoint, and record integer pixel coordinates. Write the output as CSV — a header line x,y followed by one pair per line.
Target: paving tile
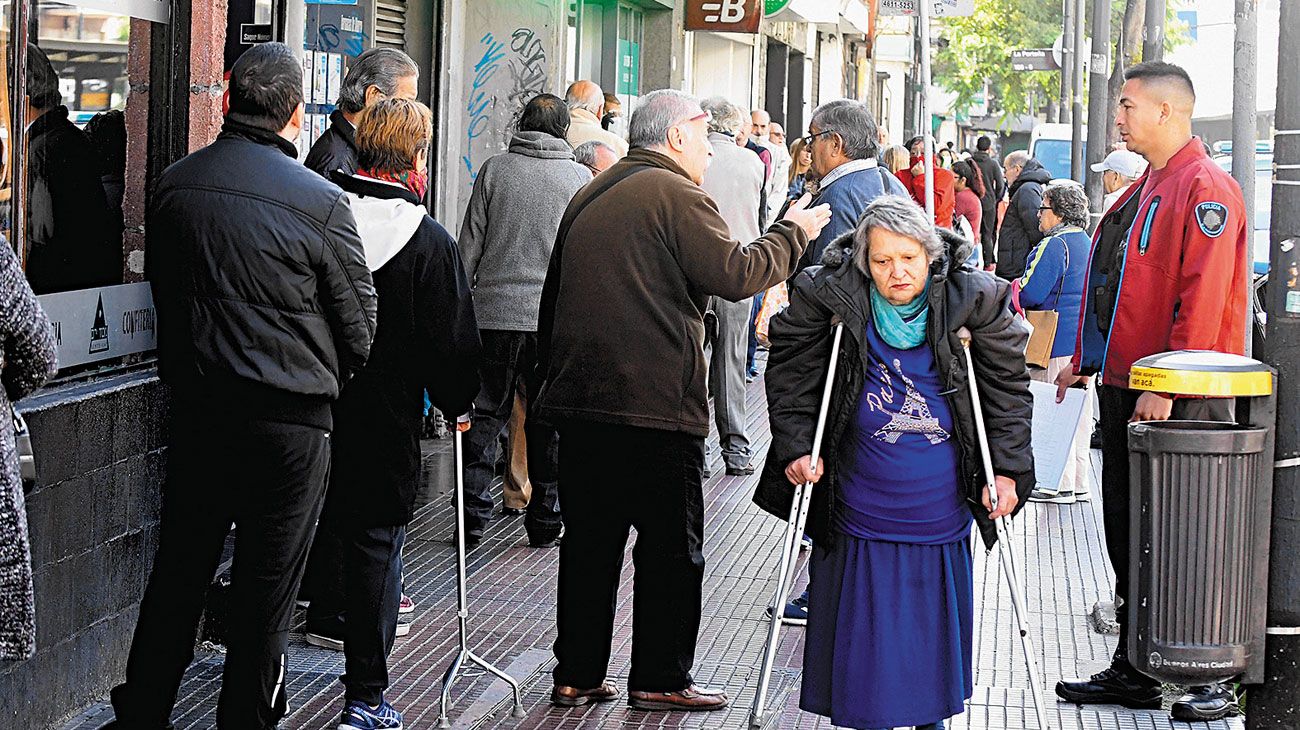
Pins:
x,y
512,588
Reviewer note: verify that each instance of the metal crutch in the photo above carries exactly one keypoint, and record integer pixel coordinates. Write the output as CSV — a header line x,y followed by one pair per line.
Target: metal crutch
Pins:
x,y
794,528
1005,536
462,604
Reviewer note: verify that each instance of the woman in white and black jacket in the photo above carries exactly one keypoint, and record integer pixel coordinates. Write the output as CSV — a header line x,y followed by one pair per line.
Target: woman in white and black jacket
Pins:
x,y
426,339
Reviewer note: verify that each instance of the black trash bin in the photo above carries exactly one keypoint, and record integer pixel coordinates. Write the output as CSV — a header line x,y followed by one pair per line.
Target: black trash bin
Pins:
x,y
1195,584
1199,524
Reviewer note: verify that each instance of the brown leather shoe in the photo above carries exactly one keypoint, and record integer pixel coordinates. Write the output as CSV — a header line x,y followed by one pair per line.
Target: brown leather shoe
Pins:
x,y
691,699
574,697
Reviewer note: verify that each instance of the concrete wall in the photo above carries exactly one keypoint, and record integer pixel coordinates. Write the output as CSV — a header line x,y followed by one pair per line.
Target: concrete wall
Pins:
x,y
94,528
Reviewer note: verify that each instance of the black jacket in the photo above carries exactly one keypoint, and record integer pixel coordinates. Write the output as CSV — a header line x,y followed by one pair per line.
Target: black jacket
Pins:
x,y
796,375
995,185
265,305
74,241
1019,230
336,149
426,339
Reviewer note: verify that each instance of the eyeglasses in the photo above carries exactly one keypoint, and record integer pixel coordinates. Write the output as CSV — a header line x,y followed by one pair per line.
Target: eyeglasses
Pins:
x,y
808,138
1042,208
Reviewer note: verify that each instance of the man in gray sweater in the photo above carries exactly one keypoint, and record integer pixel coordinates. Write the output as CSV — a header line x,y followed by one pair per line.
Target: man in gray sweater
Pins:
x,y
513,217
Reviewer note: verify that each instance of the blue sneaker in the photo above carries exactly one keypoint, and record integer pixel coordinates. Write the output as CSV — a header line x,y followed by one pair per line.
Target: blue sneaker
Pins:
x,y
360,716
796,611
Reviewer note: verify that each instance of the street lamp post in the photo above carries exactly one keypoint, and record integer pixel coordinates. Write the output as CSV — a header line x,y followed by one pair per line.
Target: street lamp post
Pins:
x,y
1098,119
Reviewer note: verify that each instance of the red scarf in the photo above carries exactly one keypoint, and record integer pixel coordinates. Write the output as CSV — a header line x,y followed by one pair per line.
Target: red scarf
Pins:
x,y
417,181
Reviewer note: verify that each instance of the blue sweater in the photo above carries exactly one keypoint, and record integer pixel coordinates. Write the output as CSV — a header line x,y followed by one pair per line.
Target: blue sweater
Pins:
x,y
1055,278
848,197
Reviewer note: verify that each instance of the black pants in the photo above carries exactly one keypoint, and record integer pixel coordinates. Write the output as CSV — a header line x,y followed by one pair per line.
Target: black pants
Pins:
x,y
362,610
988,231
616,478
509,357
269,480
1117,406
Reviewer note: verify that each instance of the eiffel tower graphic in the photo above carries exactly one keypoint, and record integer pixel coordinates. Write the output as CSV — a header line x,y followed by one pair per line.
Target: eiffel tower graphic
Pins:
x,y
913,417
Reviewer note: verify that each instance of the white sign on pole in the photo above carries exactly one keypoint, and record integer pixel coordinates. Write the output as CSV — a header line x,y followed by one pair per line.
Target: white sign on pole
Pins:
x,y
942,8
159,11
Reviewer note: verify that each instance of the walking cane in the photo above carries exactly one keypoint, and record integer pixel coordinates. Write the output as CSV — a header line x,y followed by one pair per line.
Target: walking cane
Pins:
x,y
790,546
1005,536
462,605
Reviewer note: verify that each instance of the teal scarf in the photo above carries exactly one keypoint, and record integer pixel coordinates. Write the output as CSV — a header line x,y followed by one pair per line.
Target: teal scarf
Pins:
x,y
901,326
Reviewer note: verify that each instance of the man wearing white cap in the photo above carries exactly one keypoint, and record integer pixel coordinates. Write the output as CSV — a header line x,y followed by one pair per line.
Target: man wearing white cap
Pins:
x,y
1119,170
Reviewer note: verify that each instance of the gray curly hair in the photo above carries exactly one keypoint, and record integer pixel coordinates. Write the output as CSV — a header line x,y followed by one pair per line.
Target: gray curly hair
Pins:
x,y
895,214
1068,201
725,117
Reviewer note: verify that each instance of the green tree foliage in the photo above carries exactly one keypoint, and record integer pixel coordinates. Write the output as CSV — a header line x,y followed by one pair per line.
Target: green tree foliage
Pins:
x,y
977,49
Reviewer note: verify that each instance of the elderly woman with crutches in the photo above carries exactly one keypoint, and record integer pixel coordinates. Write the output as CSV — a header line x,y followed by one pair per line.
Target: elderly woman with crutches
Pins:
x,y
901,472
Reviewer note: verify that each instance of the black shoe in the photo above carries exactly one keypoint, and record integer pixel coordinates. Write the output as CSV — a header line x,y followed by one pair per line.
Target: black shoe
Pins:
x,y
1112,687
547,540
1202,704
740,471
472,538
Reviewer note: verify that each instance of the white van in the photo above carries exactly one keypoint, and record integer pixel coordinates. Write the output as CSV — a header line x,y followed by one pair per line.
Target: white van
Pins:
x,y
1050,145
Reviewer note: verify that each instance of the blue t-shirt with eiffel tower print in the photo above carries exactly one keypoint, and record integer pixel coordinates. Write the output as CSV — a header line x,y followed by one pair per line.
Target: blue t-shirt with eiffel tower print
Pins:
x,y
899,462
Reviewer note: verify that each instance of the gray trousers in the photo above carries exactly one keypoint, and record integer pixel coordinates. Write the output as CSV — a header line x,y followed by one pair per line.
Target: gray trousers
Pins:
x,y
727,354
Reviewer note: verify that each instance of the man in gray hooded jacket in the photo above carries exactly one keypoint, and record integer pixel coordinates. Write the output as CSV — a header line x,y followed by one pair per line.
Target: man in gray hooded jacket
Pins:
x,y
510,227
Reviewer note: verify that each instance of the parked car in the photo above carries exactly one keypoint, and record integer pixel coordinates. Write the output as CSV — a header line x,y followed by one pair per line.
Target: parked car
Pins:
x,y
1050,145
1263,205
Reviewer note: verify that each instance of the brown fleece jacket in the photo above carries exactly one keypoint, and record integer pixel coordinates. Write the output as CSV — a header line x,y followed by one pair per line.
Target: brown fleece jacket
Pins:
x,y
622,316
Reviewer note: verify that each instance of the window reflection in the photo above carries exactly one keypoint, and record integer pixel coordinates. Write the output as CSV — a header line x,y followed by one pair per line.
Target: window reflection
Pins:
x,y
76,89
74,239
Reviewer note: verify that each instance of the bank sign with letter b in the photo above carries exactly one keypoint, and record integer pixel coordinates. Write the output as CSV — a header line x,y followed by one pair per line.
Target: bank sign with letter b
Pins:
x,y
730,16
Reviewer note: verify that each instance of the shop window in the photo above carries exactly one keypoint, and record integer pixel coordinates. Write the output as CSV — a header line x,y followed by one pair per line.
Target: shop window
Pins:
x,y
71,190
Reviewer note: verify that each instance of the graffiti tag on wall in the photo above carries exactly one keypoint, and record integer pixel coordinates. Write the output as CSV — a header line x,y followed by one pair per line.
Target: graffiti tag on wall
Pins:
x,y
507,74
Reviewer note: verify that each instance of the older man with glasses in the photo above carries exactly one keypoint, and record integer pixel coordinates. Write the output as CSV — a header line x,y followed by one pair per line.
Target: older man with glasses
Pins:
x,y
842,139
639,252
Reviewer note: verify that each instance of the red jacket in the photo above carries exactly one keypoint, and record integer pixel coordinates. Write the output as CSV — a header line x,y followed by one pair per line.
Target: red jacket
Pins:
x,y
945,194
1183,285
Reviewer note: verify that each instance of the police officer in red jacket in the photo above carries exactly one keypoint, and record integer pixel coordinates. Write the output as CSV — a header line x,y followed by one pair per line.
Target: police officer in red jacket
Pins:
x,y
1166,273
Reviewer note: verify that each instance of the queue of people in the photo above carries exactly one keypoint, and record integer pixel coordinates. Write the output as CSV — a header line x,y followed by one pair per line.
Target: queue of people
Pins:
x,y
309,313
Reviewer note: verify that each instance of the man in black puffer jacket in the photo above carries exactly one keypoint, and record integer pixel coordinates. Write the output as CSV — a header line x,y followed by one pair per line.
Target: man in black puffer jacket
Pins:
x,y
265,308
1026,177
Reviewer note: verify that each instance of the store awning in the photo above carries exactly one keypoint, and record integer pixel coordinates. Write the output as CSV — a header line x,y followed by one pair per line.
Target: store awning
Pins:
x,y
820,12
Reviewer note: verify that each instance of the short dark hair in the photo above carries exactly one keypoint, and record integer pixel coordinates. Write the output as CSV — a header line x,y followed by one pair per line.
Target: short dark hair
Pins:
x,y
984,144
545,113
1161,71
42,80
265,86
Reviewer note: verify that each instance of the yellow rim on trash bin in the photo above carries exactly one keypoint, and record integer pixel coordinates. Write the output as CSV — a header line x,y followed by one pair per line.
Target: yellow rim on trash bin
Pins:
x,y
1193,372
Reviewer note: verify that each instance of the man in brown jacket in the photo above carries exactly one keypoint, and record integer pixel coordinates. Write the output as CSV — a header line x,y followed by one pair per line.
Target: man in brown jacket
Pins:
x,y
621,334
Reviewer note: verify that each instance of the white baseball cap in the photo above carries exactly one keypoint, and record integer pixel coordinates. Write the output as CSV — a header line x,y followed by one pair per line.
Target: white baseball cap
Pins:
x,y
1124,162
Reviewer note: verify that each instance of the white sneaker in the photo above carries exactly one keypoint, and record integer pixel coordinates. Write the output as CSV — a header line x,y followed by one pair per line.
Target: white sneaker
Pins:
x,y
1083,496
325,642
402,629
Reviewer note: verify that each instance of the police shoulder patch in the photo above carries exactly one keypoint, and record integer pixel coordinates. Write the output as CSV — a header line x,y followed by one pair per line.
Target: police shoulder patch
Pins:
x,y
1212,218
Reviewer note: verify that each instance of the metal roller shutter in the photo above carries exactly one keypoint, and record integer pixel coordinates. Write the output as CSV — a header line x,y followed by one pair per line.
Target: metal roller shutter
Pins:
x,y
390,24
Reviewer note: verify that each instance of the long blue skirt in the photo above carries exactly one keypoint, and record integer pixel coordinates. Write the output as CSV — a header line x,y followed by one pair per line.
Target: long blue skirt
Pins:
x,y
889,633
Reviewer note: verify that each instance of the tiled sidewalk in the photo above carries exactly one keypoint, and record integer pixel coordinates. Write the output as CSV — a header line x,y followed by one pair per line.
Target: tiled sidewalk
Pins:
x,y
512,624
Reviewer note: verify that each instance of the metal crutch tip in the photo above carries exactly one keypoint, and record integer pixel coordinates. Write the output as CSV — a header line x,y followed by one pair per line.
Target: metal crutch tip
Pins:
x,y
443,722
519,711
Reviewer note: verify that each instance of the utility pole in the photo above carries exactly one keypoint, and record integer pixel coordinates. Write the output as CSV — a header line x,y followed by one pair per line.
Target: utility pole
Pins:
x,y
1067,60
1098,117
1243,118
1275,705
1076,105
923,10
1153,35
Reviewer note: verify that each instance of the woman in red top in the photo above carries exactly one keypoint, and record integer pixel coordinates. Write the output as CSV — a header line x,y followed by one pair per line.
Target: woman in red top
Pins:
x,y
913,179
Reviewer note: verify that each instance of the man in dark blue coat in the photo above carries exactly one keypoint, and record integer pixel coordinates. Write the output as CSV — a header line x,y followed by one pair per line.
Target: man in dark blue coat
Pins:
x,y
842,139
